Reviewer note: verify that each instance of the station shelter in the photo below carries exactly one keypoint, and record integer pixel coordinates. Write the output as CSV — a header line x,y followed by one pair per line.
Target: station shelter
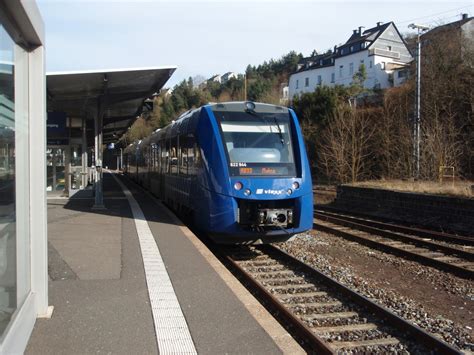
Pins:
x,y
53,128
88,111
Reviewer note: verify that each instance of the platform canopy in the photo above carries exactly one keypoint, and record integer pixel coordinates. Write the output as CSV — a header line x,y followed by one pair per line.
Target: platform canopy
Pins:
x,y
111,99
117,95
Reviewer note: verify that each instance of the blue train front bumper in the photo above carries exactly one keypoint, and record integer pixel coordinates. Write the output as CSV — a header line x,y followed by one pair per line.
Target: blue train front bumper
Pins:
x,y
224,225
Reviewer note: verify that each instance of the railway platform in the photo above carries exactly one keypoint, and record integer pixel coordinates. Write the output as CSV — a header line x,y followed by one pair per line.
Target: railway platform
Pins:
x,y
132,279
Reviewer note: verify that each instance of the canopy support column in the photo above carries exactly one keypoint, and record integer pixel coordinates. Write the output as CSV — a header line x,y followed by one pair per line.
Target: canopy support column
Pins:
x,y
84,175
98,123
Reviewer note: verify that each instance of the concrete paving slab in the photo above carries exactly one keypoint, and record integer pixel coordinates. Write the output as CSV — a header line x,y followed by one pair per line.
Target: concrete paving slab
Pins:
x,y
90,244
99,316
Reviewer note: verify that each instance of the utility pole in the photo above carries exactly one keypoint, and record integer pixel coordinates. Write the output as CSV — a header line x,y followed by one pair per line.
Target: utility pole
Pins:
x,y
417,120
245,86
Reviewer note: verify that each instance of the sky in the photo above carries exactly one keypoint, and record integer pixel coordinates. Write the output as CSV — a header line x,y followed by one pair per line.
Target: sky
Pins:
x,y
214,37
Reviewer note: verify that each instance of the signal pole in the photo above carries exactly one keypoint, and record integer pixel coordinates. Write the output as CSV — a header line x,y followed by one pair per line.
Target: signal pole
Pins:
x,y
417,120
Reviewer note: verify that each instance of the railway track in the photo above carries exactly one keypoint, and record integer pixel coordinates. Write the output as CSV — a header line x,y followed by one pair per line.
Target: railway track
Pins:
x,y
416,229
423,233
323,314
424,247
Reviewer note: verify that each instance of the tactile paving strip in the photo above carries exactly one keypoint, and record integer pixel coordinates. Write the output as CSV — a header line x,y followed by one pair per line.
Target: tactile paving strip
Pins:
x,y
171,329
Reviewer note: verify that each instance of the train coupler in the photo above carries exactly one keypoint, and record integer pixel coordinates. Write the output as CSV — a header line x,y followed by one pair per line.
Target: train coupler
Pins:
x,y
272,217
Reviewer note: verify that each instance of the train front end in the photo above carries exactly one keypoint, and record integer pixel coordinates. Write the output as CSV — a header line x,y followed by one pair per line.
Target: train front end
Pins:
x,y
265,195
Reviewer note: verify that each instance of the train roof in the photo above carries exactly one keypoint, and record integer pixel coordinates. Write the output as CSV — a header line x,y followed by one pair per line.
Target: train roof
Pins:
x,y
243,105
130,148
180,125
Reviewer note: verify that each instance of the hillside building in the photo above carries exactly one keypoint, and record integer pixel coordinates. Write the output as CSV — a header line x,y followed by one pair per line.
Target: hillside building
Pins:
x,y
381,49
459,35
227,76
217,78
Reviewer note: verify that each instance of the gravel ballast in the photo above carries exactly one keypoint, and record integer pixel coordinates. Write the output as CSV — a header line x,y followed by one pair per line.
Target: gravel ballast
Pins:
x,y
438,302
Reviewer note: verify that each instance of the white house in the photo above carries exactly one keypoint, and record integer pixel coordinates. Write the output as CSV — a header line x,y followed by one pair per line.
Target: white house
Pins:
x,y
381,50
284,94
227,76
167,92
217,78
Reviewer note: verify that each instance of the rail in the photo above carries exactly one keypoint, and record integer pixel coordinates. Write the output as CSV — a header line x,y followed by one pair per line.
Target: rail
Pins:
x,y
445,257
326,315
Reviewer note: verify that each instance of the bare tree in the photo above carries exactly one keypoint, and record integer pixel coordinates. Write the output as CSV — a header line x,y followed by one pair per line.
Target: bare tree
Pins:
x,y
345,149
393,144
442,145
447,102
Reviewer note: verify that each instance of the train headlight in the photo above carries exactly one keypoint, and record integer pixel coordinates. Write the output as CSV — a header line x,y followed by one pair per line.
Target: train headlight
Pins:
x,y
289,191
247,192
238,185
249,105
296,185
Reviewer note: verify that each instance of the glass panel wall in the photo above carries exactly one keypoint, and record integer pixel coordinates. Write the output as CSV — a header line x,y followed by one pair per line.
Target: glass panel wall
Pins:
x,y
76,167
8,277
56,169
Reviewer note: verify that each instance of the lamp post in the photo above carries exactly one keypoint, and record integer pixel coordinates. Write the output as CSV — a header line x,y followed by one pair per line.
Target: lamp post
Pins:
x,y
417,121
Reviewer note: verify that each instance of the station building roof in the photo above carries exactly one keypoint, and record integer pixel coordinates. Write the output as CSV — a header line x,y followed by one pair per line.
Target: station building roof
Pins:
x,y
116,94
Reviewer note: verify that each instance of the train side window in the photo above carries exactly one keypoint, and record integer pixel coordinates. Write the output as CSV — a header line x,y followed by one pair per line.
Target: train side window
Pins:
x,y
143,157
149,162
178,155
147,157
158,157
154,149
190,150
174,156
152,157
176,141
197,157
183,159
167,157
164,153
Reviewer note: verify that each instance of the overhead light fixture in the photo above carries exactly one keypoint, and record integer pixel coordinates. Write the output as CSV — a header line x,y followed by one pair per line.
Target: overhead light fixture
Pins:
x,y
416,26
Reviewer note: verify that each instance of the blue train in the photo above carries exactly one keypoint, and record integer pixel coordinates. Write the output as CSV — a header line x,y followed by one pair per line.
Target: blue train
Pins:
x,y
238,170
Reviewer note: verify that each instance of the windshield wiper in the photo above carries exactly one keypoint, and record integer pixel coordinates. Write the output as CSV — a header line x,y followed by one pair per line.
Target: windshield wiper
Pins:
x,y
280,134
252,112
279,131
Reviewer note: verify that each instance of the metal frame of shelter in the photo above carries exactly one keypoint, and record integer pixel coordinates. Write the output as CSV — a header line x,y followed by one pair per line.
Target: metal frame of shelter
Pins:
x,y
112,99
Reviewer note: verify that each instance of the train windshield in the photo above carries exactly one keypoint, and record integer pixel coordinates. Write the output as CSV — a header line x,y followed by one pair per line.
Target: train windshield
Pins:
x,y
257,143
